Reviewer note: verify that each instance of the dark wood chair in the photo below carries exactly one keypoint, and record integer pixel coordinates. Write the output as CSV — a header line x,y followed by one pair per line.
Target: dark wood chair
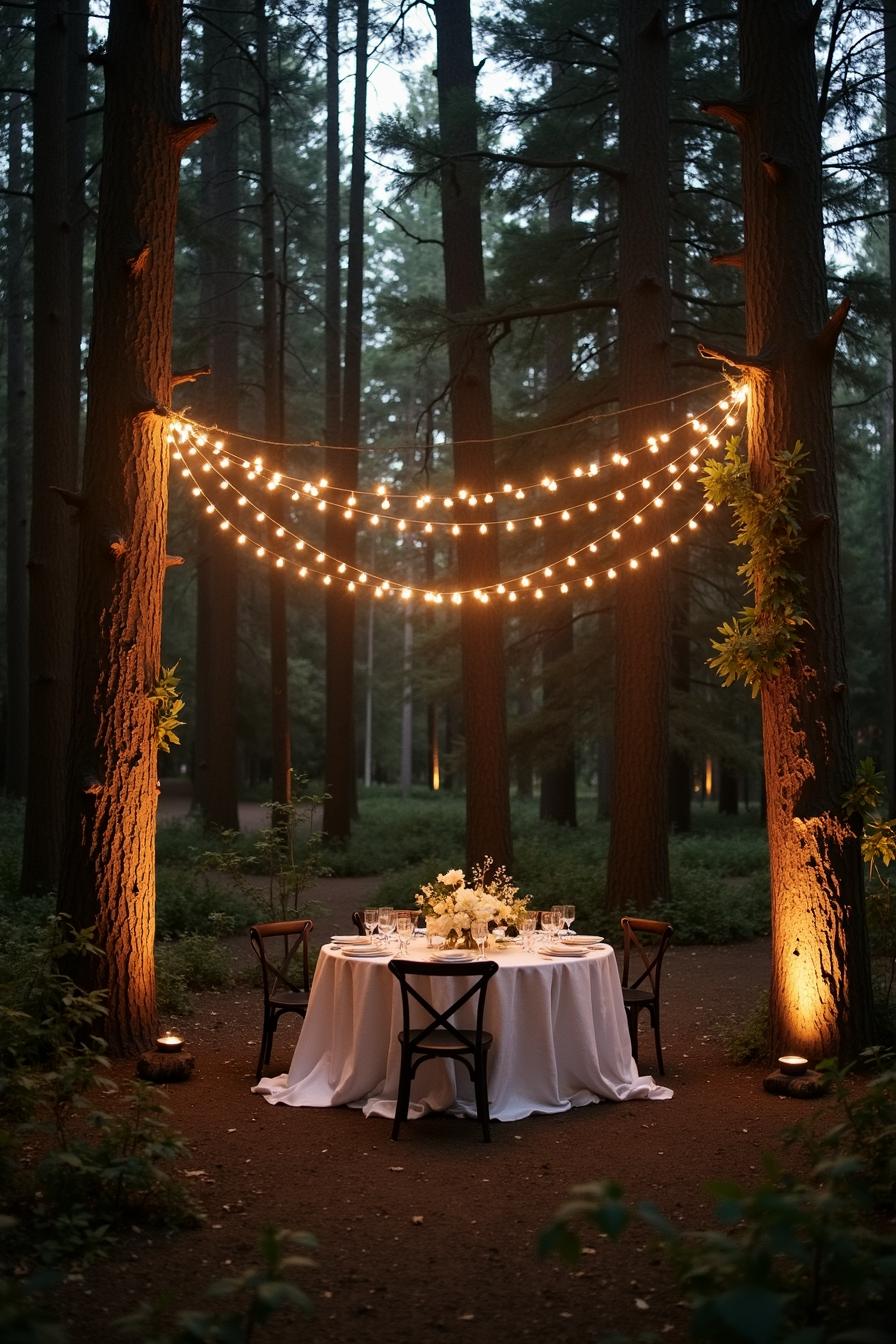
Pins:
x,y
287,986
439,1038
647,939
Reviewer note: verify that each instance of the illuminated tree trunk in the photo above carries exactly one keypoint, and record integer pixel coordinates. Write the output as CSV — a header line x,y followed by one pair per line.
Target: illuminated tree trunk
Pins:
x,y
638,860
820,987
16,466
482,643
889,26
108,867
54,461
342,470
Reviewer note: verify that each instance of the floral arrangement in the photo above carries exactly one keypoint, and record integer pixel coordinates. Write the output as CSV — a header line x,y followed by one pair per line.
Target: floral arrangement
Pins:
x,y
454,903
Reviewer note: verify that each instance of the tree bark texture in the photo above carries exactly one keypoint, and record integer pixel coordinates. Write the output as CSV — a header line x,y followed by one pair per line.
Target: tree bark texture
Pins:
x,y
638,860
482,643
274,427
219,589
680,766
108,867
16,711
557,763
889,25
820,990
54,462
342,470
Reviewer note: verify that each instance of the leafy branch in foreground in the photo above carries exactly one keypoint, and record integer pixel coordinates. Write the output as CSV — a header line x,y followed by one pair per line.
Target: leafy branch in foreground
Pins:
x,y
756,644
168,703
793,1261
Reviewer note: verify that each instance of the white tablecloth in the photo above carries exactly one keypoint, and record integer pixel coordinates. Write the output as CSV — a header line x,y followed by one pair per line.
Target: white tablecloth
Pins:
x,y
561,1039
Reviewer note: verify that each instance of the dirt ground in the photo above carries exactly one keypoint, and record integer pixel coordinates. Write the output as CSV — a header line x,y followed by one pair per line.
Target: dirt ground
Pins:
x,y
435,1235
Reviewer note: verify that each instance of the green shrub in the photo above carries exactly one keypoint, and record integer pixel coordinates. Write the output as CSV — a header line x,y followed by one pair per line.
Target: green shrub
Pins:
x,y
200,961
795,1261
185,902
748,1041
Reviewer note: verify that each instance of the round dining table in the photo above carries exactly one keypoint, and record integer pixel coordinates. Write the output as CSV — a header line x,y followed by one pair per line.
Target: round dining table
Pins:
x,y
559,1026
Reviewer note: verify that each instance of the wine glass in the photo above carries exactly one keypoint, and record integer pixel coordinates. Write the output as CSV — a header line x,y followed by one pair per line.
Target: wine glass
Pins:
x,y
557,912
479,930
370,922
404,923
527,929
569,915
386,922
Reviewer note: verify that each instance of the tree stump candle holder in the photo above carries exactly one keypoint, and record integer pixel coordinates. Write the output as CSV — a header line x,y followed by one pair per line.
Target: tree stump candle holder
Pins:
x,y
168,1063
794,1078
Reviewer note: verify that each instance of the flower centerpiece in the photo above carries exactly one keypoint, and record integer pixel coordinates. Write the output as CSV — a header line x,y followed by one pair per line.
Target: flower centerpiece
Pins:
x,y
452,903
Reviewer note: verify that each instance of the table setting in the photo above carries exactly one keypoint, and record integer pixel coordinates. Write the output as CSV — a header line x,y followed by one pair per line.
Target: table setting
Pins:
x,y
554,1007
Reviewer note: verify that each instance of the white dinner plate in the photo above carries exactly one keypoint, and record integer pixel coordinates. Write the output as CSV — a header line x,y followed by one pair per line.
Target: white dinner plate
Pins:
x,y
564,952
453,956
582,940
360,953
352,940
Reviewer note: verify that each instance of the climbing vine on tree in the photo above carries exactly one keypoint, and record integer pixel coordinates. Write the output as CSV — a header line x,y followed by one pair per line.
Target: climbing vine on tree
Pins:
x,y
168,705
756,644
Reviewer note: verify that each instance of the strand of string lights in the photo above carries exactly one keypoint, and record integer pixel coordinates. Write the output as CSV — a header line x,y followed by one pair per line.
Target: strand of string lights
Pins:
x,y
534,583
591,418
197,437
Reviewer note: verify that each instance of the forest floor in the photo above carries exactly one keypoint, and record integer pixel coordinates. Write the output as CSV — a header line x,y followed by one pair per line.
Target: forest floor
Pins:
x,y
436,1235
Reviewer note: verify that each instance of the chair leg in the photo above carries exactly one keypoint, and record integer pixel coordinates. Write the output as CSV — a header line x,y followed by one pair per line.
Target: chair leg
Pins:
x,y
264,1051
480,1086
632,1015
270,1028
403,1100
655,1014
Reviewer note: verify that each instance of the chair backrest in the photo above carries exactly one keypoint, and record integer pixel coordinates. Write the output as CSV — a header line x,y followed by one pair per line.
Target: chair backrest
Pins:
x,y
440,1019
276,945
649,938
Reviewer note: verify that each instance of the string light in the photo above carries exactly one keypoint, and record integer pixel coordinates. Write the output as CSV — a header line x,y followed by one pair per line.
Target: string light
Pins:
x,y
350,577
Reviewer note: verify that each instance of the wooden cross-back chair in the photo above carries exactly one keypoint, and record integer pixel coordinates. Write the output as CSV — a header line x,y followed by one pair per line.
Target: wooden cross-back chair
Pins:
x,y
439,1037
647,939
282,951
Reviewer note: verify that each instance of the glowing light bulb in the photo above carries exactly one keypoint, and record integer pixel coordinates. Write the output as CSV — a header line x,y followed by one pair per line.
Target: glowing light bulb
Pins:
x,y
537,521
589,582
320,557
280,562
620,495
592,506
615,534
539,594
547,571
483,529
565,515
241,540
611,573
259,551
327,580
300,545
224,524
633,564
455,531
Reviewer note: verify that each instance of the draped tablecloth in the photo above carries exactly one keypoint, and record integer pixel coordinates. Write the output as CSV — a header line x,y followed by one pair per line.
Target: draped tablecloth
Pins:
x,y
560,1039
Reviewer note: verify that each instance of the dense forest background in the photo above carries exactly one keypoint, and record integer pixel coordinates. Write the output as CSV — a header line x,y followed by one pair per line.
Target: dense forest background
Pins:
x,y
309,277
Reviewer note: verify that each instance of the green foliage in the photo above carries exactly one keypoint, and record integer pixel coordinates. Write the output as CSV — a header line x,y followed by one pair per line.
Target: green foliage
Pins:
x,y
168,703
195,962
879,852
267,1287
756,644
793,1261
191,903
748,1041
96,1170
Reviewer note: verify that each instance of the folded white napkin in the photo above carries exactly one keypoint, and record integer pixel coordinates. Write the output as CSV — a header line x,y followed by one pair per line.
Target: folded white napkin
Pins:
x,y
360,952
564,951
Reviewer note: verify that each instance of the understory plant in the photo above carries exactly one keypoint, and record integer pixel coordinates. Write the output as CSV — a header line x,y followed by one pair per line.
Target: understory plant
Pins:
x,y
72,1172
796,1260
865,799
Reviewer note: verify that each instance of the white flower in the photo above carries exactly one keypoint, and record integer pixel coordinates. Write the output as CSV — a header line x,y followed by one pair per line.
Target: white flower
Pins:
x,y
453,878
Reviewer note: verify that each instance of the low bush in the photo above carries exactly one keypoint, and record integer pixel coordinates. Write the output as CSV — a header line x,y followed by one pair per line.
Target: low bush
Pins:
x,y
747,1042
794,1261
186,901
198,961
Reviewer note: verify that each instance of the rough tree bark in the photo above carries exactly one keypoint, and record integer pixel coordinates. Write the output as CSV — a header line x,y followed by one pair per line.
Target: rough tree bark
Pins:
x,y
54,461
342,470
16,747
108,864
638,860
820,987
217,606
889,25
482,644
281,755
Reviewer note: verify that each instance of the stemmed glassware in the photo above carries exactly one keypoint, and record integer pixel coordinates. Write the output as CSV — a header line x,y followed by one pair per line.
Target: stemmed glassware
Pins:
x,y
550,922
569,915
371,918
527,929
479,930
386,922
404,923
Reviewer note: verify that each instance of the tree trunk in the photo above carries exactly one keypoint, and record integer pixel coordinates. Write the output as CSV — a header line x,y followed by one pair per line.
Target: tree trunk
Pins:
x,y
77,39
16,746
108,868
407,708
281,757
820,989
342,471
557,764
638,860
217,622
482,644
54,462
679,757
889,23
